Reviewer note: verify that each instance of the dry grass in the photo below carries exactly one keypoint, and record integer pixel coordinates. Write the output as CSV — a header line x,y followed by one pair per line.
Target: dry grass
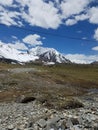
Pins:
x,y
54,86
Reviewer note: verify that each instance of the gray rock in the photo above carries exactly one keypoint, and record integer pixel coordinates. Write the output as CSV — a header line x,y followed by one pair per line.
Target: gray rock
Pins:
x,y
53,123
76,127
10,127
81,121
69,123
95,126
53,120
42,123
52,126
62,125
74,121
29,125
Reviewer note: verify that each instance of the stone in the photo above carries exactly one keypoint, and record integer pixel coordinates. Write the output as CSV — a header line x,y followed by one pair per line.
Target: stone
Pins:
x,y
62,116
95,126
69,123
80,119
35,127
53,123
30,124
10,127
42,123
52,126
74,121
76,128
53,120
63,125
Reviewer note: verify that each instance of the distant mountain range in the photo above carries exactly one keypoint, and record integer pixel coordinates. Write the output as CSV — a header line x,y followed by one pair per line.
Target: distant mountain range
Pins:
x,y
45,55
95,63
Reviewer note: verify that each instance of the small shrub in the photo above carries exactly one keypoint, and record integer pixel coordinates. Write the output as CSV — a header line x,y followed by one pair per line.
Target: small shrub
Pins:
x,y
72,104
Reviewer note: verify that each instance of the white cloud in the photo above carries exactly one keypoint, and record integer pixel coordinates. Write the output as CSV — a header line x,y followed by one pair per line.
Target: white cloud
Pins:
x,y
45,14
33,40
28,41
40,13
70,22
8,17
36,13
81,58
14,37
95,48
75,19
6,2
96,35
81,11
81,17
93,15
73,7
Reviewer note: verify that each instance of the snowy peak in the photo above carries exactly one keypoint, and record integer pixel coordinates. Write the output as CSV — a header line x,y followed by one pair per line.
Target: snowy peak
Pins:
x,y
38,53
49,55
9,52
41,50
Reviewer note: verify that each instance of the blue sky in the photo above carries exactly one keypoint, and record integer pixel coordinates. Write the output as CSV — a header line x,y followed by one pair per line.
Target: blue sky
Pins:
x,y
28,23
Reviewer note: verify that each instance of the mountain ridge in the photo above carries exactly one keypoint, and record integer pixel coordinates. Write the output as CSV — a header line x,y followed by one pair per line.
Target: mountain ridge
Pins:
x,y
37,53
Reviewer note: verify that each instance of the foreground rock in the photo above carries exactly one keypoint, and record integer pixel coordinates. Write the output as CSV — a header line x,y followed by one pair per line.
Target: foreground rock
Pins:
x,y
34,116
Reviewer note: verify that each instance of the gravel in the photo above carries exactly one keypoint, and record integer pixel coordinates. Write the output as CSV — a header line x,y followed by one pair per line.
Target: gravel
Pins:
x,y
35,116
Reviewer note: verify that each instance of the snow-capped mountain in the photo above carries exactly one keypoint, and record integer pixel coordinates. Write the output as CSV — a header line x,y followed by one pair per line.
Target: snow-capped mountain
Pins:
x,y
48,55
39,50
37,53
8,52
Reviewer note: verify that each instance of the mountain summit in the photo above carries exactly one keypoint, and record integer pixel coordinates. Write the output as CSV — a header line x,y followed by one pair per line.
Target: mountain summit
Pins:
x,y
37,53
49,55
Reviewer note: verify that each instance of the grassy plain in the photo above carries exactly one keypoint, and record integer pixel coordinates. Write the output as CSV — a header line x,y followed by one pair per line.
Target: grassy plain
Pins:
x,y
54,86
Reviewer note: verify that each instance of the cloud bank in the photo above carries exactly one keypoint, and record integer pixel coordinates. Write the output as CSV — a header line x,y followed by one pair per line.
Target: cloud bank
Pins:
x,y
47,14
81,58
25,43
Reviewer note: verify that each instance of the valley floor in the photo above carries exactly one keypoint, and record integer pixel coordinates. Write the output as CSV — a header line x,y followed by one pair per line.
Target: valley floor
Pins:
x,y
59,97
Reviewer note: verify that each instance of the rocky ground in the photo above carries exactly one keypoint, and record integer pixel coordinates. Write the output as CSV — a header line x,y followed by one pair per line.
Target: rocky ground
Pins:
x,y
35,116
34,101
